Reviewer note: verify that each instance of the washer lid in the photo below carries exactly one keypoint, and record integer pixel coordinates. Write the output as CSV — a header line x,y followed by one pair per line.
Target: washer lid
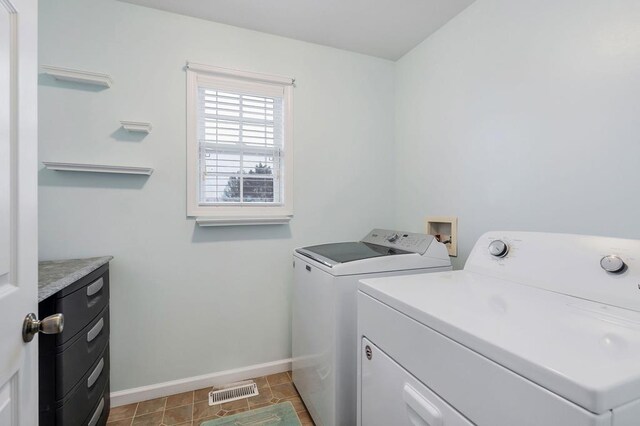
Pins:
x,y
584,351
335,253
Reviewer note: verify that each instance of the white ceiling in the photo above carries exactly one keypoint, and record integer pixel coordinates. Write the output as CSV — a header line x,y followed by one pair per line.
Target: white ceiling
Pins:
x,y
384,28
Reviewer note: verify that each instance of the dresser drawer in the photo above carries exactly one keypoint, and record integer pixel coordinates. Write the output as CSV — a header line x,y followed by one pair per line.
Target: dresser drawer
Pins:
x,y
74,358
100,413
79,307
85,397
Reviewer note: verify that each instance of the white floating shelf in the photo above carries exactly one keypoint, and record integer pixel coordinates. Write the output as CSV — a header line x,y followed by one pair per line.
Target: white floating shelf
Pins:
x,y
136,126
239,220
78,76
97,168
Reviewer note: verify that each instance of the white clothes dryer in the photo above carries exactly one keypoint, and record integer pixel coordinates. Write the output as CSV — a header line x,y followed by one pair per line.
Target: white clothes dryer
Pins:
x,y
538,329
324,341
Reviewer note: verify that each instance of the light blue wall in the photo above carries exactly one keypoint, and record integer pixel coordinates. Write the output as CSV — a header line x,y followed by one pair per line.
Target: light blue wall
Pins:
x,y
185,300
523,115
515,115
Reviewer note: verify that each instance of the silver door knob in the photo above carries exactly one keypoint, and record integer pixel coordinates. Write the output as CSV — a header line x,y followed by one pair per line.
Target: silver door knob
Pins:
x,y
53,324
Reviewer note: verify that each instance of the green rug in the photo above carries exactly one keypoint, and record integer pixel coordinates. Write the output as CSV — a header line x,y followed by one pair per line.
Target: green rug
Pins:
x,y
281,414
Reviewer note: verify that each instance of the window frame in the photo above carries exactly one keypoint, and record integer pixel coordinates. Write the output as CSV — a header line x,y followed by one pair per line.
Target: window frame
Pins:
x,y
234,214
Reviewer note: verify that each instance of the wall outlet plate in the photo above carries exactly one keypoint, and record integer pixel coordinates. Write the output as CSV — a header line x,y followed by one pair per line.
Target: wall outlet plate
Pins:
x,y
445,228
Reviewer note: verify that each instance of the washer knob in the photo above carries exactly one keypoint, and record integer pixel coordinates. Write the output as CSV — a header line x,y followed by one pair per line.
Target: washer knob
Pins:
x,y
393,238
612,263
498,248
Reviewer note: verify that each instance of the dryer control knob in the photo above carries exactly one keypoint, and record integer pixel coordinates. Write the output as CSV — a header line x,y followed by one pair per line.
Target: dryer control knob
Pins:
x,y
498,248
612,263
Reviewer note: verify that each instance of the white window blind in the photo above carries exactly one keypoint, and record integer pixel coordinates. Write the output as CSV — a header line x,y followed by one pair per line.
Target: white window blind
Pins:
x,y
241,152
239,147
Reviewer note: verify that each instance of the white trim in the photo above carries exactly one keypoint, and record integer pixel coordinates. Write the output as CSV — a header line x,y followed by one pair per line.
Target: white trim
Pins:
x,y
240,220
245,75
78,76
238,84
136,126
288,147
97,168
158,390
193,147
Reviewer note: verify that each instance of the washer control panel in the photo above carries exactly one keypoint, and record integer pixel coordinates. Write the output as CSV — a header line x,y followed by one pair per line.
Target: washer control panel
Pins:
x,y
407,241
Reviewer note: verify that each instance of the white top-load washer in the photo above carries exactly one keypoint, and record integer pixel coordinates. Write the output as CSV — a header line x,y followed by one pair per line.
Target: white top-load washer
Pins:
x,y
324,337
538,329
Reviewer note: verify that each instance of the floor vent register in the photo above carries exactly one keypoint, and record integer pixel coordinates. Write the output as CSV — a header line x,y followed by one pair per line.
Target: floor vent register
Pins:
x,y
233,392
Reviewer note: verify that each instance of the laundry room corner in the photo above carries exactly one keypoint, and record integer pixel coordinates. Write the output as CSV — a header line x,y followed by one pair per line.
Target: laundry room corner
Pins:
x,y
525,115
187,300
319,213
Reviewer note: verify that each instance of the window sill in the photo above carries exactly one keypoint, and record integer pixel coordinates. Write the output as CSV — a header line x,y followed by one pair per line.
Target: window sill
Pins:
x,y
239,220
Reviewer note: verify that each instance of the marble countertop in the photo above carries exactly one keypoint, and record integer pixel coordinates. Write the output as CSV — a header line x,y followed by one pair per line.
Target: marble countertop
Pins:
x,y
54,275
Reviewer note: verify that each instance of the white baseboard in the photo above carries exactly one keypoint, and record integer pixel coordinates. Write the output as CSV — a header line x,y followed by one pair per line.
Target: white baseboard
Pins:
x,y
158,390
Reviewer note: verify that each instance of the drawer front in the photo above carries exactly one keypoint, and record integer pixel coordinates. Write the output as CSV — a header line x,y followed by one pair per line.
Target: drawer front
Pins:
x,y
81,306
80,353
391,396
99,414
82,401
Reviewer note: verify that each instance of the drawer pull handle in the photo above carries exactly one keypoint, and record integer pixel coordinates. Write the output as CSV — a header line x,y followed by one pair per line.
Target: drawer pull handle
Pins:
x,y
96,374
95,287
96,414
95,330
426,413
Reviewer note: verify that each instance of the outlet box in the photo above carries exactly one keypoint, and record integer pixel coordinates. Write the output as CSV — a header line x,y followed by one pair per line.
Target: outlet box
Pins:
x,y
445,229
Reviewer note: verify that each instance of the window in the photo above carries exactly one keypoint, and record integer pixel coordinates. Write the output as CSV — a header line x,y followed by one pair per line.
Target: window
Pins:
x,y
239,142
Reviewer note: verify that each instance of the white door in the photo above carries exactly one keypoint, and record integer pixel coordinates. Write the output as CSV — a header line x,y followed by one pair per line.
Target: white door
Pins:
x,y
389,395
18,210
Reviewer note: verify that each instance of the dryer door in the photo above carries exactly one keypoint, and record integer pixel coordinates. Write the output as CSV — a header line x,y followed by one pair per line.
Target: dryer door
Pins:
x,y
392,396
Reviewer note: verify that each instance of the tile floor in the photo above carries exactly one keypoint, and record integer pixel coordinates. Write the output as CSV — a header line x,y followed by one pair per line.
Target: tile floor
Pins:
x,y
192,408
